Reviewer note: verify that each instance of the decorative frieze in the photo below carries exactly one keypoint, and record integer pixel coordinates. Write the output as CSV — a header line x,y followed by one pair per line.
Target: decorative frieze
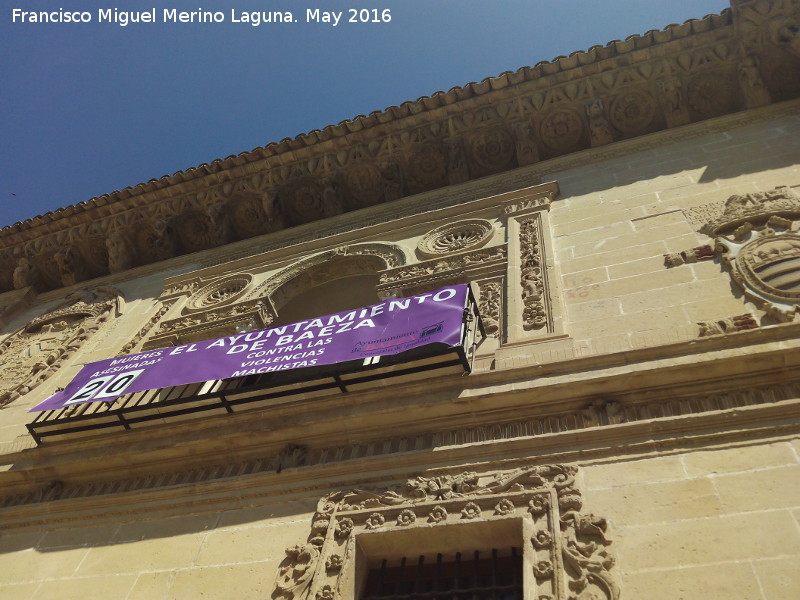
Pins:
x,y
536,114
600,413
464,266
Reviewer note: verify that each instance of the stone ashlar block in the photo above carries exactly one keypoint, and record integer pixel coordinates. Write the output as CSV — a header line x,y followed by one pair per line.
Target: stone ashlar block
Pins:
x,y
633,472
717,582
766,489
779,579
243,545
708,540
251,580
114,587
739,459
656,502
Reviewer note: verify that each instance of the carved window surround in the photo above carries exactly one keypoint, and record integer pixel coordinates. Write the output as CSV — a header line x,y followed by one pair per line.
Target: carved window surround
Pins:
x,y
216,302
36,351
565,552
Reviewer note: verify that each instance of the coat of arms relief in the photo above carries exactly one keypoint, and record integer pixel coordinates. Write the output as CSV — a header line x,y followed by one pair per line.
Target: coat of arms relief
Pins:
x,y
757,236
36,351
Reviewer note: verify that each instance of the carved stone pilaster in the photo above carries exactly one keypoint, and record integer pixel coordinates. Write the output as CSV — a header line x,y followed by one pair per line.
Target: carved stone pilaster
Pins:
x,y
534,313
457,168
490,305
528,296
145,330
332,203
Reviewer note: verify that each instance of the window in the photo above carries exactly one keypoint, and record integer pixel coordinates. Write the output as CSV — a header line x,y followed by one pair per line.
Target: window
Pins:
x,y
488,575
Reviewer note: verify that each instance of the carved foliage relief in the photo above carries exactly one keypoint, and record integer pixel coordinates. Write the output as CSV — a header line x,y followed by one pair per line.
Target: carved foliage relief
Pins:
x,y
567,552
490,305
534,312
36,351
456,237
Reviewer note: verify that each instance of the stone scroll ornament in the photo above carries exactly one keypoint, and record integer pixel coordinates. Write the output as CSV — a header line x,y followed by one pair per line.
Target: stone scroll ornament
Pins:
x,y
33,353
757,237
568,550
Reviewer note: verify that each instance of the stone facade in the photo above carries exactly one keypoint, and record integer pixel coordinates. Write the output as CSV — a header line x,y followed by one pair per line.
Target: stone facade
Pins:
x,y
628,220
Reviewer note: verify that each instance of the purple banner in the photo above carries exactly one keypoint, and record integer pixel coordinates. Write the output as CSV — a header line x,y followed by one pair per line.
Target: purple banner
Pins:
x,y
391,327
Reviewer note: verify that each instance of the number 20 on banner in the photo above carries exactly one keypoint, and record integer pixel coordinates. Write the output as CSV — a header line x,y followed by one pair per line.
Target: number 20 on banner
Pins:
x,y
109,386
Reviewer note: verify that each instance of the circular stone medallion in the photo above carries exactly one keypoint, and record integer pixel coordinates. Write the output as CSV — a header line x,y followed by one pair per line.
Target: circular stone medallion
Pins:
x,y
456,237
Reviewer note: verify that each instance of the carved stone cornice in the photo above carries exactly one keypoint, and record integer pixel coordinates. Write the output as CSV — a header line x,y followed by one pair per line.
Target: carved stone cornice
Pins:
x,y
624,90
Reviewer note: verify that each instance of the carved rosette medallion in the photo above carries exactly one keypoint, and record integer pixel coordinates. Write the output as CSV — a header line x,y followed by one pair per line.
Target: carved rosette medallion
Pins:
x,y
561,130
36,351
427,168
252,215
759,241
711,95
220,293
632,112
568,551
196,231
365,184
155,240
456,237
306,204
493,149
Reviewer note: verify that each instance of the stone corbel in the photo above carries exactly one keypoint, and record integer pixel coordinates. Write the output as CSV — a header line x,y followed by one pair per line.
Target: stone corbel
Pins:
x,y
599,128
686,257
673,101
753,88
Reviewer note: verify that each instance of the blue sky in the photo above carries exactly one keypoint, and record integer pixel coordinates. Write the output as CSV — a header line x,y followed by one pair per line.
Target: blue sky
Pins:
x,y
90,108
